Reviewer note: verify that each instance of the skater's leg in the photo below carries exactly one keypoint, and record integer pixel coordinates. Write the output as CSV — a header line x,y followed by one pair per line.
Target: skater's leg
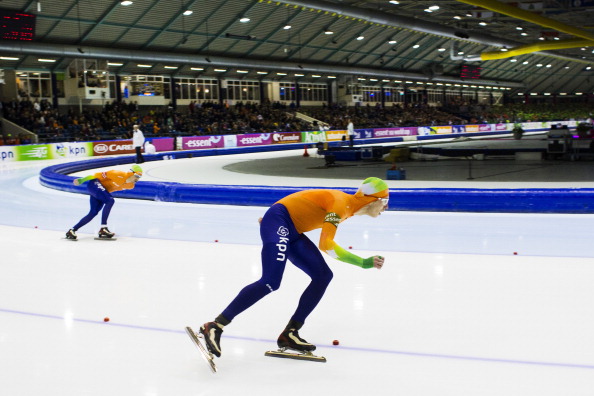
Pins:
x,y
96,206
307,257
108,204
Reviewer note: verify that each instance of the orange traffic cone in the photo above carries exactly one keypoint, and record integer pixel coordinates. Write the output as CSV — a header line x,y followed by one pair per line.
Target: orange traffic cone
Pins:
x,y
306,154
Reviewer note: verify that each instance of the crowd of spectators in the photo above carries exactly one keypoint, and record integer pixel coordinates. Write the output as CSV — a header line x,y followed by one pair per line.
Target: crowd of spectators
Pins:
x,y
115,120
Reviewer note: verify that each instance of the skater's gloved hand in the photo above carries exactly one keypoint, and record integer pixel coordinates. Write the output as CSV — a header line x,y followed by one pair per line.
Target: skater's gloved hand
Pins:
x,y
378,262
76,182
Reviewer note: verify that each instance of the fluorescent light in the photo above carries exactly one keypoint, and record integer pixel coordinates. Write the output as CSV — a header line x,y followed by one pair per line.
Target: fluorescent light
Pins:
x,y
242,71
281,74
170,67
287,27
8,58
394,2
331,76
361,38
328,31
299,75
140,65
441,49
126,3
197,68
220,70
392,42
261,72
416,46
114,64
188,12
316,75
244,20
46,60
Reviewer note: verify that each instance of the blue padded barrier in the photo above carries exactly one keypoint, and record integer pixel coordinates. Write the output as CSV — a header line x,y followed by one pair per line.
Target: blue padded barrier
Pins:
x,y
578,200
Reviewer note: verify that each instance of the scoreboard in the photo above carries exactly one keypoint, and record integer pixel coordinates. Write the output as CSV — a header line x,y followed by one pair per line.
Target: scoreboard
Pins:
x,y
17,25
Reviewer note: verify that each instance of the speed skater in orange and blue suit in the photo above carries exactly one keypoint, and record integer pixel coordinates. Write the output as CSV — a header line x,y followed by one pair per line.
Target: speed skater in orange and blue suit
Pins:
x,y
282,231
100,186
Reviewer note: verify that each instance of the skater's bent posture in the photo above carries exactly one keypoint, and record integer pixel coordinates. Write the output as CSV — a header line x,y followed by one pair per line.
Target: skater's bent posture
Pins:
x,y
282,231
100,187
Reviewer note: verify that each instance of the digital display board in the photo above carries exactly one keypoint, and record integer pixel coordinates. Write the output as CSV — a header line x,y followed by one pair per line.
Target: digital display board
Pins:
x,y
17,25
470,72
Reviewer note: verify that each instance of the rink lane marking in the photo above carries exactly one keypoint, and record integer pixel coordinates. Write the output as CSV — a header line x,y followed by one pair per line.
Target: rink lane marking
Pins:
x,y
353,349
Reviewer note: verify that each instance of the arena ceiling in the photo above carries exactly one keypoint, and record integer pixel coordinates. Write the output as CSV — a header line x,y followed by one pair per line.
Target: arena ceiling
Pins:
x,y
549,43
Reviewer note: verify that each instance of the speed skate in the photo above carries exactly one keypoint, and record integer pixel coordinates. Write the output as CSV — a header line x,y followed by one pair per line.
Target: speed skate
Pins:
x,y
297,355
209,357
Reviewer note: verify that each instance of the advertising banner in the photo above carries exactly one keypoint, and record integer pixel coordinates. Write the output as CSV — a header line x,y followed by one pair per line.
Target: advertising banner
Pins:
x,y
485,128
458,129
286,137
112,147
8,153
471,128
71,150
202,142
363,133
394,132
163,144
315,137
254,139
333,136
503,127
33,152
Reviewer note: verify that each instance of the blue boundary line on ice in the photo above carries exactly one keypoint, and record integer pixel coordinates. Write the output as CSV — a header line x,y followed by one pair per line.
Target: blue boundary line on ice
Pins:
x,y
527,200
355,349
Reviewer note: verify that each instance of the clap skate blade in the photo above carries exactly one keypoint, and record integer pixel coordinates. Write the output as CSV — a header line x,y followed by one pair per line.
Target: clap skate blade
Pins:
x,y
297,355
209,357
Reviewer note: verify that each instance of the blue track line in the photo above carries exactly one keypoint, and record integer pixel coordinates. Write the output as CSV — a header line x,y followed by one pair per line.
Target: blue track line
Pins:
x,y
353,349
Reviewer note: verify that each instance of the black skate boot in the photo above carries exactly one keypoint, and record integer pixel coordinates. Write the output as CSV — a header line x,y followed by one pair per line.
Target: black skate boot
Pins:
x,y
212,337
290,339
71,234
105,233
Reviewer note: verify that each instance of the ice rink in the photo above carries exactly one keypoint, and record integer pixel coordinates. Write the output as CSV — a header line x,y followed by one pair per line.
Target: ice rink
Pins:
x,y
467,304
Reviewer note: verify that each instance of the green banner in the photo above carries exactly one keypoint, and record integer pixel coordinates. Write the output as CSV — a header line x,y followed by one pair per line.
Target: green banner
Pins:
x,y
33,152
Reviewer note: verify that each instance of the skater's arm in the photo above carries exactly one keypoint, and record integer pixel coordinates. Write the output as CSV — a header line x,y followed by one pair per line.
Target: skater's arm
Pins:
x,y
328,245
81,180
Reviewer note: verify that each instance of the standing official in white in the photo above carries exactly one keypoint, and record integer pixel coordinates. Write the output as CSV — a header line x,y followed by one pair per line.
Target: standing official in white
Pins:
x,y
138,142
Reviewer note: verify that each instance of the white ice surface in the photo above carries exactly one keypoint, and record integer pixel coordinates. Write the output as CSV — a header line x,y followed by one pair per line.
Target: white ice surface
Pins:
x,y
454,311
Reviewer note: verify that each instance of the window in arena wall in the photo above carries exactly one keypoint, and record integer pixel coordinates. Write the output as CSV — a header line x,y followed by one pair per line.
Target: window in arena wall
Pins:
x,y
371,94
243,90
287,92
314,92
35,85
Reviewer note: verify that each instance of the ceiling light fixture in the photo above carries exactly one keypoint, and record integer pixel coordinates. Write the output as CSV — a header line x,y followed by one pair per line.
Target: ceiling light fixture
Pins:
x,y
287,27
360,38
244,20
188,12
126,3
328,31
46,60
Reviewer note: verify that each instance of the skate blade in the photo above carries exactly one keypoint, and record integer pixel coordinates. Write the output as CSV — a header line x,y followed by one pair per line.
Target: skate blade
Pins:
x,y
209,357
105,239
282,353
70,239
